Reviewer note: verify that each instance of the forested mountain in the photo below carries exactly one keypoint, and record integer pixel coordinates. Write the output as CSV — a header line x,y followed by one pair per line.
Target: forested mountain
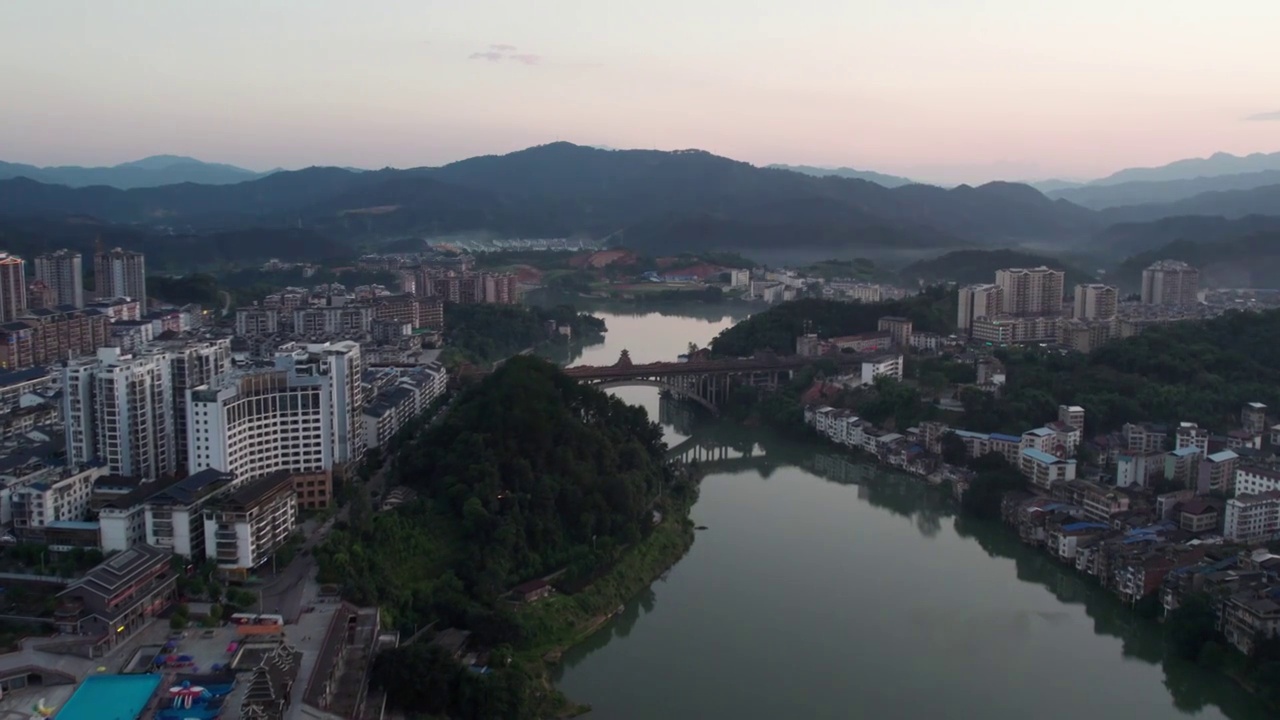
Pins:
x,y
1144,192
178,252
1263,200
1125,239
687,199
151,171
653,201
1220,163
980,266
878,178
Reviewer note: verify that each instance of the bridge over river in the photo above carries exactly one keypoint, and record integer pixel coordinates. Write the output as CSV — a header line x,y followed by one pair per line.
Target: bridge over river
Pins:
x,y
704,381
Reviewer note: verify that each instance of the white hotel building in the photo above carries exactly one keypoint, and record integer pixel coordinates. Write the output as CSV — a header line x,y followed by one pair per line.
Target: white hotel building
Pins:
x,y
304,414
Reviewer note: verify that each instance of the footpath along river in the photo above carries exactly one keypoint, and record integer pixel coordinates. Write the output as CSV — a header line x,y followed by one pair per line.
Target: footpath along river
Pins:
x,y
828,588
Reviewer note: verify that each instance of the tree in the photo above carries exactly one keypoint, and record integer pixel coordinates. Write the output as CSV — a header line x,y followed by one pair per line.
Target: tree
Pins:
x,y
954,450
1190,626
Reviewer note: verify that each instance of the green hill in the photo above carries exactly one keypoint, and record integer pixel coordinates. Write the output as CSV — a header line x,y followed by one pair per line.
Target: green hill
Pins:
x,y
980,266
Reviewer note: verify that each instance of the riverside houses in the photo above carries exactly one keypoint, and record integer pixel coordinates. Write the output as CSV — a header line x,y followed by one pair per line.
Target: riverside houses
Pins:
x,y
1106,521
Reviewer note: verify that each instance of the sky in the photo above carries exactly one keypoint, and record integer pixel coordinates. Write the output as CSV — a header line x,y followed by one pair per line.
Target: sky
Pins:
x,y
939,90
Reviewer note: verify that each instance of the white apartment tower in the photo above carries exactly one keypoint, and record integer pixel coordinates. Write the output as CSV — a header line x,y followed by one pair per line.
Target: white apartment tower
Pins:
x,y
977,301
1170,282
1095,302
121,273
1027,292
118,411
63,273
13,287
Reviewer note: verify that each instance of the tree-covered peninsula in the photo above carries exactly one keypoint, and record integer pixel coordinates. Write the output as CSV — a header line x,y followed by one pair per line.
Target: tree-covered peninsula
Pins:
x,y
530,476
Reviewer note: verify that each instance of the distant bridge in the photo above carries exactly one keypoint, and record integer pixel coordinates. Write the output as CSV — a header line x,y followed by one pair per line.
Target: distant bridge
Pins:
x,y
706,382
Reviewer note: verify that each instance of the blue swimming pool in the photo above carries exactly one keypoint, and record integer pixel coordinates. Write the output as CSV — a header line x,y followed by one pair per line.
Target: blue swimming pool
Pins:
x,y
109,697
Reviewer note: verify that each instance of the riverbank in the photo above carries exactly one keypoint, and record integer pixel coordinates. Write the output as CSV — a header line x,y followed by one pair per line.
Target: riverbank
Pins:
x,y
560,622
1053,523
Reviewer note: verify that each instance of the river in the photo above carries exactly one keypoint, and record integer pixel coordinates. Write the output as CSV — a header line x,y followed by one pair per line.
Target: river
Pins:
x,y
824,587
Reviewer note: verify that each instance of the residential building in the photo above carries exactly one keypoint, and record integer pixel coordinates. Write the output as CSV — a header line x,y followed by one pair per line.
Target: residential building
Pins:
x,y
419,312
1043,469
899,328
121,273
243,529
174,518
1072,415
46,336
1139,469
118,410
1182,466
1145,438
467,286
1199,516
62,272
13,287
1217,473
1095,302
1027,292
1006,329
1098,501
888,365
314,490
1189,435
927,341
863,342
1170,282
1085,336
118,597
1253,480
193,364
64,496
40,296
342,320
1250,616
1252,516
117,308
1253,418
977,301
257,321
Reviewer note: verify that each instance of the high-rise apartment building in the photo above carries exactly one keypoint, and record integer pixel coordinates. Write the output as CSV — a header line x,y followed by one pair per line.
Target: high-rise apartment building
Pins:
x,y
1095,302
1170,282
192,364
13,287
121,273
977,301
63,273
44,337
466,287
118,411
1029,292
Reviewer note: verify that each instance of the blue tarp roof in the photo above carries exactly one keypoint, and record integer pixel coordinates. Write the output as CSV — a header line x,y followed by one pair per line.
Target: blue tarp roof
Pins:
x,y
1086,526
1005,438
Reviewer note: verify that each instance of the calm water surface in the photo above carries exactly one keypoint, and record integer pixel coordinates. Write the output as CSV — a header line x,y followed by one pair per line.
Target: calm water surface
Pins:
x,y
826,588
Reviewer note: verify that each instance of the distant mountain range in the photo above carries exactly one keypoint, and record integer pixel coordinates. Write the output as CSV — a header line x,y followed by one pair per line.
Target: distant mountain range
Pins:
x,y
151,171
889,181
653,201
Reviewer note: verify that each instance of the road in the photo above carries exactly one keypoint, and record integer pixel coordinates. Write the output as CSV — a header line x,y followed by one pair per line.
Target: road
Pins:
x,y
284,593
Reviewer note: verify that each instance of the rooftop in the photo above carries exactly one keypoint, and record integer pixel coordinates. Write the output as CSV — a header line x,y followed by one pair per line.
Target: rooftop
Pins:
x,y
1044,457
256,491
119,571
193,487
1222,456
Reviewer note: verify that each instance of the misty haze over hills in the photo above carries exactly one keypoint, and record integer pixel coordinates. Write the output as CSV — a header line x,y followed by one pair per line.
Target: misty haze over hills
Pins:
x,y
152,171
